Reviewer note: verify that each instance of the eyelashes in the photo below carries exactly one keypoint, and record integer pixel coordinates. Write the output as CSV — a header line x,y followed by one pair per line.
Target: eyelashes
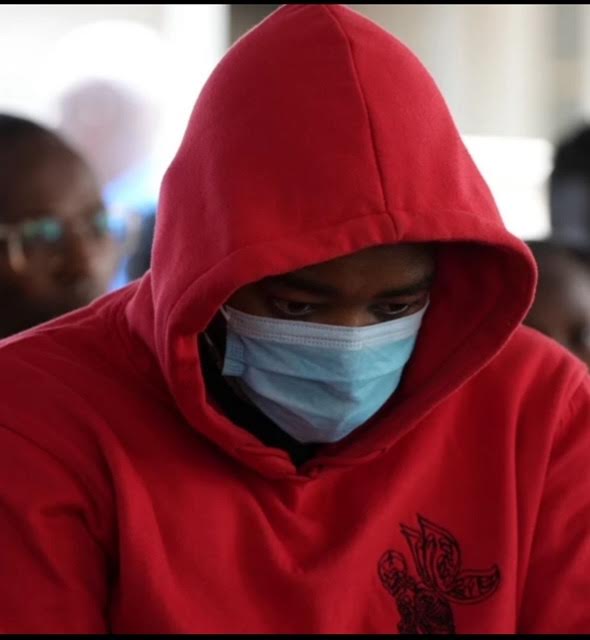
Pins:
x,y
294,309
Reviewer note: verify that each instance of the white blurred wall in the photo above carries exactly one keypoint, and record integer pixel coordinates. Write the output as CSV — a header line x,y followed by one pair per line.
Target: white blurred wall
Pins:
x,y
194,37
28,34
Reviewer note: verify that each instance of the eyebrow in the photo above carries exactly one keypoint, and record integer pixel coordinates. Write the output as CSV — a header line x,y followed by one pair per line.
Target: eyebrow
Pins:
x,y
301,283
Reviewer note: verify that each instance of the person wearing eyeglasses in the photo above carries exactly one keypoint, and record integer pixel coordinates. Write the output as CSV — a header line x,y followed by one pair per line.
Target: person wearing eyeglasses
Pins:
x,y
58,248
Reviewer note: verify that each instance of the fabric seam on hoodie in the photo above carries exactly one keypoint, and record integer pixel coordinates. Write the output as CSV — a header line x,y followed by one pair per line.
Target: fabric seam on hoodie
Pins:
x,y
366,110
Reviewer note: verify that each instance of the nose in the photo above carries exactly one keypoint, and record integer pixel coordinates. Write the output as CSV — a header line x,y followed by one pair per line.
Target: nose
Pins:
x,y
349,316
75,259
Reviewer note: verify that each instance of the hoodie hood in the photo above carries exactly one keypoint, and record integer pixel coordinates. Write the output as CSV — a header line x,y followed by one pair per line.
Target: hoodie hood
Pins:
x,y
317,135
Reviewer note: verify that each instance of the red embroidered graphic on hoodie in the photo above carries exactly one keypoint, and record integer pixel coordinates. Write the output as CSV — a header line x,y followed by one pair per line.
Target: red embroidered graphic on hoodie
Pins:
x,y
130,503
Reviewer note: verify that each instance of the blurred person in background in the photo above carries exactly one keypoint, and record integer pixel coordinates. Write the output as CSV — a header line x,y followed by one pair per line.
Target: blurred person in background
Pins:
x,y
56,250
561,309
569,193
114,126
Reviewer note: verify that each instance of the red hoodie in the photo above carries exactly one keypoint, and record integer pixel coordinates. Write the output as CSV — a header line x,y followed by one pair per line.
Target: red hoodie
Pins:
x,y
129,503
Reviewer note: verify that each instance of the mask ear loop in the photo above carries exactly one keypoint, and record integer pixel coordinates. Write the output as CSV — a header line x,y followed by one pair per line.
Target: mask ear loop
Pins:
x,y
233,383
214,349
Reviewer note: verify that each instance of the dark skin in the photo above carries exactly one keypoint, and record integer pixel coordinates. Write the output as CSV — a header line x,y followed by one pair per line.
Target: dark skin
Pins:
x,y
41,178
562,304
375,285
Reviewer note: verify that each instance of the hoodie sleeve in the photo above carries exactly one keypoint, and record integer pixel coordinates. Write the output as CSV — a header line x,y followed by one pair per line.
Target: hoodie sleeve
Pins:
x,y
53,576
557,590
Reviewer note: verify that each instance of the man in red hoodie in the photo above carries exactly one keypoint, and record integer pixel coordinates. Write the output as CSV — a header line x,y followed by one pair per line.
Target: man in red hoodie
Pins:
x,y
319,411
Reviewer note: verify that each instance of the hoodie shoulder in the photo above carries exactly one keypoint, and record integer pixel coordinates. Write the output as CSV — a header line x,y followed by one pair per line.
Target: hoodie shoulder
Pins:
x,y
47,368
533,360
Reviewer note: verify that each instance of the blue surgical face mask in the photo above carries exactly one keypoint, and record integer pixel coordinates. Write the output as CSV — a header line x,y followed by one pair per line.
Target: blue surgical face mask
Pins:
x,y
317,382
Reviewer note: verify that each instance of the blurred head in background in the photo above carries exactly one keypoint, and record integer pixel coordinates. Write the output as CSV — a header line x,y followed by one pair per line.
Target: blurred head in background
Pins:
x,y
114,127
56,250
562,304
569,193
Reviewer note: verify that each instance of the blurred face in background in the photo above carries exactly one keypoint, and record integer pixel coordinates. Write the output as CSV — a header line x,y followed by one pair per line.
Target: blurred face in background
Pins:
x,y
562,305
56,252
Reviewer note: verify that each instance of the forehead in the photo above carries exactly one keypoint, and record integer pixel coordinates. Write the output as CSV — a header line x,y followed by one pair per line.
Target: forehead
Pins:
x,y
40,178
395,256
368,271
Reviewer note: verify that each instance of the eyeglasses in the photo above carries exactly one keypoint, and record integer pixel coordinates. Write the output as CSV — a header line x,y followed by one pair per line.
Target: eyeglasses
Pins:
x,y
45,239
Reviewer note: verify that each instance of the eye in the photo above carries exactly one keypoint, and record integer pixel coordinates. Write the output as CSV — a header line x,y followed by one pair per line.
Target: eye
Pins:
x,y
45,230
392,309
293,309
